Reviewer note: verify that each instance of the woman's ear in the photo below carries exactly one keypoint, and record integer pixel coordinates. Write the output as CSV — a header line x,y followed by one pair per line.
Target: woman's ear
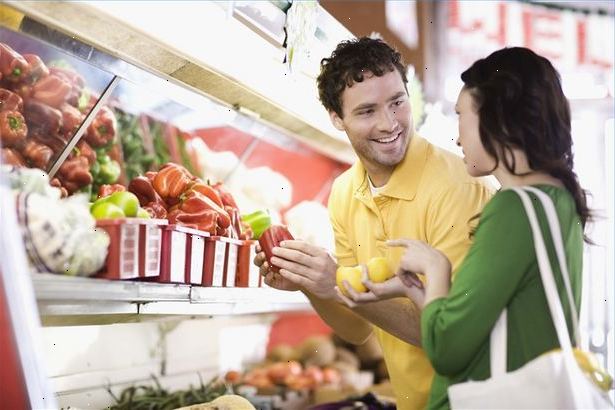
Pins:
x,y
337,121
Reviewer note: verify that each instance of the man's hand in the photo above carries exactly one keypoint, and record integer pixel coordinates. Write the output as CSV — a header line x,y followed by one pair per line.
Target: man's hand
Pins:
x,y
275,280
391,288
309,267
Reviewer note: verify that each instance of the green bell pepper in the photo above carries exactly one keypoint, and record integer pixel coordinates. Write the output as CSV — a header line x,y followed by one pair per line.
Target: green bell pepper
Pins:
x,y
109,172
259,221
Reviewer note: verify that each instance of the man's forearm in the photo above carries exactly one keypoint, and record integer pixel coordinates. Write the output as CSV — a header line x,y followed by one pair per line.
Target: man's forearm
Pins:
x,y
347,324
399,317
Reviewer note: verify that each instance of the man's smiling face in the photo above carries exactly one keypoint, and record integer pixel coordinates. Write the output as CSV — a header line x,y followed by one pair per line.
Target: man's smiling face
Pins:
x,y
377,119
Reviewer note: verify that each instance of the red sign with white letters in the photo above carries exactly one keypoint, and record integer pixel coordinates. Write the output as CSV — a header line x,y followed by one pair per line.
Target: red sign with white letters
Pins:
x,y
571,40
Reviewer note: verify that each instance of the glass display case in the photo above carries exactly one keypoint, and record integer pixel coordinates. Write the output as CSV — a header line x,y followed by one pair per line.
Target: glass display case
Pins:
x,y
111,119
47,95
96,123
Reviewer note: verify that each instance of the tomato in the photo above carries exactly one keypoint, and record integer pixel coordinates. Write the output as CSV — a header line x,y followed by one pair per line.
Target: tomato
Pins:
x,y
314,373
232,376
331,375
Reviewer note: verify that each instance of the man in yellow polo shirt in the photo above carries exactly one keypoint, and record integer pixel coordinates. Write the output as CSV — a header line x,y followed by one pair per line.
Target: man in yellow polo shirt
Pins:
x,y
401,187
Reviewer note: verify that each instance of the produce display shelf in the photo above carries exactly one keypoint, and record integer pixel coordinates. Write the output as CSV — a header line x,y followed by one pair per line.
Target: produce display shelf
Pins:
x,y
65,301
108,35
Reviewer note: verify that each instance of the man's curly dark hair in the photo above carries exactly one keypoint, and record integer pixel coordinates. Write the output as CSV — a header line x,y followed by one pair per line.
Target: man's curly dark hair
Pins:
x,y
347,65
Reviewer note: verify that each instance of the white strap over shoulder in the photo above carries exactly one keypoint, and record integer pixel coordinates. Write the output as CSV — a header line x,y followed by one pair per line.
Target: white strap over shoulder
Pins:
x,y
546,274
497,353
498,334
556,235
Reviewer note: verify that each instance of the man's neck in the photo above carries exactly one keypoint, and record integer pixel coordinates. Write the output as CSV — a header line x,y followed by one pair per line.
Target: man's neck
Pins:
x,y
379,175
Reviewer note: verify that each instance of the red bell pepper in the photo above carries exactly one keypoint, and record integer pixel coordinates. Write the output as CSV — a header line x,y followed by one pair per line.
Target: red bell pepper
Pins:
x,y
37,69
220,231
37,154
71,120
235,221
206,190
9,101
225,195
12,157
13,66
42,119
171,181
56,143
151,175
23,90
194,202
51,90
103,129
106,189
156,209
75,173
75,80
86,151
144,190
13,128
272,238
204,220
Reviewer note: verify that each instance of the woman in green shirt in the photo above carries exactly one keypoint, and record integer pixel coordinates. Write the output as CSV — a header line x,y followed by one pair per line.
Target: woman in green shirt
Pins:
x,y
514,123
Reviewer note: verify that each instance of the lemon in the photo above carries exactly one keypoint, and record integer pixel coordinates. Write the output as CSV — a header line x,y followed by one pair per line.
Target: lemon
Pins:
x,y
353,275
378,269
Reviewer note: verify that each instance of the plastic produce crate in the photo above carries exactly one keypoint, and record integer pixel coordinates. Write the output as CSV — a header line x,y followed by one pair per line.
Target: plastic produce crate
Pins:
x,y
176,260
195,256
230,262
130,238
248,275
150,247
216,248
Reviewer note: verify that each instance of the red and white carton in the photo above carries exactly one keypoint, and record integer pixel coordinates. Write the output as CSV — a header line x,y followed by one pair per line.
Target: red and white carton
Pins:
x,y
150,247
195,256
123,257
230,264
174,252
215,259
248,275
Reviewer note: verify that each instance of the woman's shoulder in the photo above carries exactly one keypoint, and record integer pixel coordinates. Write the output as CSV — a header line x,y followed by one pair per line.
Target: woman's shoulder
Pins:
x,y
506,203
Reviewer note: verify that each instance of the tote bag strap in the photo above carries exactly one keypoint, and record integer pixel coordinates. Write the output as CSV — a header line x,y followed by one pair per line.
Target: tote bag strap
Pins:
x,y
497,343
498,334
556,235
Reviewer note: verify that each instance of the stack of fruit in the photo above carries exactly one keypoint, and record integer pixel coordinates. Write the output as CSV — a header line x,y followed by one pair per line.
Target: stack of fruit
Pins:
x,y
120,204
351,277
175,194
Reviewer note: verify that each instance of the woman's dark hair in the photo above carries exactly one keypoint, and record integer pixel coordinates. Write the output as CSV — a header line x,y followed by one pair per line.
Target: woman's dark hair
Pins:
x,y
349,62
520,104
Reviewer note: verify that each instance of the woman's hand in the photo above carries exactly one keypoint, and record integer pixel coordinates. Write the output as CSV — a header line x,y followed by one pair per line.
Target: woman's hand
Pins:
x,y
422,259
